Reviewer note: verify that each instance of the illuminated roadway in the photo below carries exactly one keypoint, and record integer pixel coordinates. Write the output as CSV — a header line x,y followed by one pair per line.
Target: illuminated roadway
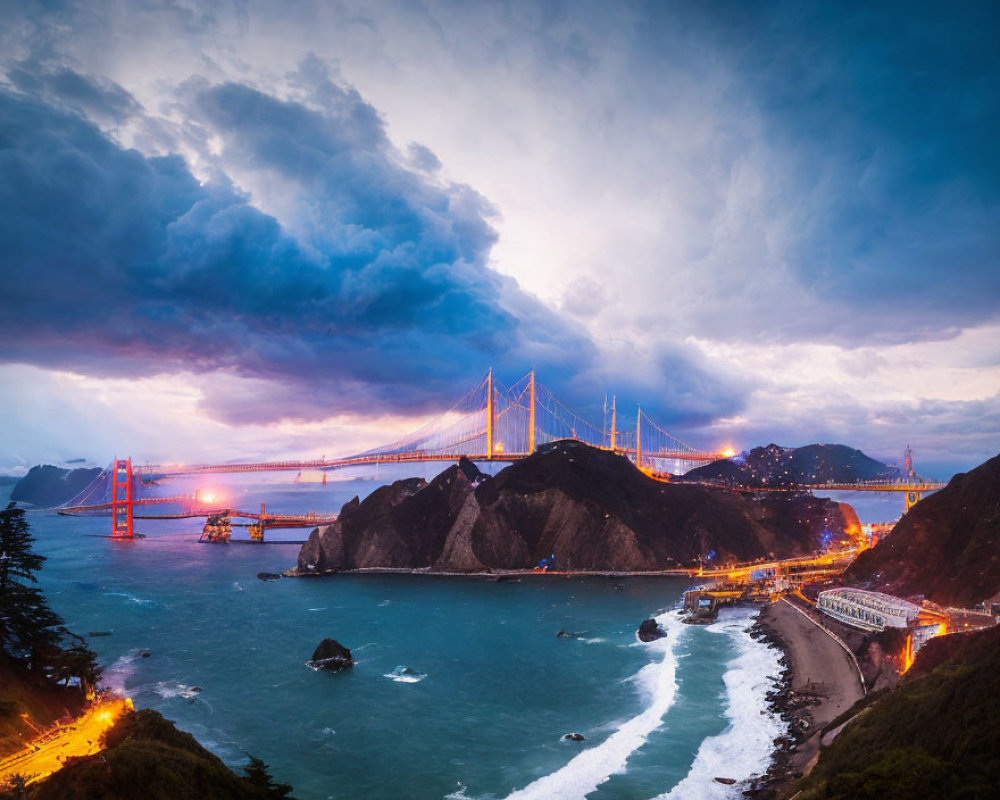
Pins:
x,y
49,752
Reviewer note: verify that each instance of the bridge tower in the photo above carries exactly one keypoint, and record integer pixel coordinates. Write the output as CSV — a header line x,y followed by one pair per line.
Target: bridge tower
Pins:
x,y
489,415
638,437
121,499
531,417
912,498
614,425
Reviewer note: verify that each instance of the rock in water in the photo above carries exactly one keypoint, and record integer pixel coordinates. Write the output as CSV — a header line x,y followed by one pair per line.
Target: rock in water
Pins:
x,y
574,737
331,655
649,631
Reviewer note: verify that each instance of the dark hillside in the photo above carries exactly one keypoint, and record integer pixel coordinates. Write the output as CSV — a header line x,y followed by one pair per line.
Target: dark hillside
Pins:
x,y
932,737
781,466
947,547
47,486
591,508
147,757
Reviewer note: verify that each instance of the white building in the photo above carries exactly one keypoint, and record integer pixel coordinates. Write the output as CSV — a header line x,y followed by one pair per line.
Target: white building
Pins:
x,y
869,611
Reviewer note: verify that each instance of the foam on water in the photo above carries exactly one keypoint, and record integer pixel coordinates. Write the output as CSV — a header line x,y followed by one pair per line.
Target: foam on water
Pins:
x,y
584,773
117,675
138,600
170,689
744,747
403,674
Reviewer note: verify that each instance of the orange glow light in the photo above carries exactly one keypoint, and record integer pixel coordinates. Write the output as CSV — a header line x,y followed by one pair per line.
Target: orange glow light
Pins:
x,y
729,452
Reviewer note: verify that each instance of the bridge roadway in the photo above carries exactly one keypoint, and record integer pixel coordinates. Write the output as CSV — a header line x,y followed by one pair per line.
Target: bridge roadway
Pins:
x,y
863,486
833,561
416,456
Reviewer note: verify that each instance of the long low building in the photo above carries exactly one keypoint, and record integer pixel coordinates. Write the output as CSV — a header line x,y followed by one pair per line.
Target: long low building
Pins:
x,y
870,611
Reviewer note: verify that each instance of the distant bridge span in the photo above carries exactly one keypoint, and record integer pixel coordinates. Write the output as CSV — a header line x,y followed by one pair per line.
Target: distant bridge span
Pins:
x,y
490,423
374,459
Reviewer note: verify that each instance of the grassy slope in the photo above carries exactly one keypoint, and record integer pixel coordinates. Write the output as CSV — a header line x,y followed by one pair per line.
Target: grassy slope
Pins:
x,y
147,757
933,737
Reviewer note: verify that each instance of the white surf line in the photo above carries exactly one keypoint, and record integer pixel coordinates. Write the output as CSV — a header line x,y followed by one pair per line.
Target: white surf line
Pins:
x,y
745,746
588,770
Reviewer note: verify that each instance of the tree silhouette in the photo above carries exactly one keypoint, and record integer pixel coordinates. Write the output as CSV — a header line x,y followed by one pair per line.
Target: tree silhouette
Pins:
x,y
257,775
31,633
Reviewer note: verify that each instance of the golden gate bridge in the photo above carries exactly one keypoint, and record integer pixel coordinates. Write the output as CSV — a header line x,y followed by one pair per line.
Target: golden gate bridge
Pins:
x,y
492,422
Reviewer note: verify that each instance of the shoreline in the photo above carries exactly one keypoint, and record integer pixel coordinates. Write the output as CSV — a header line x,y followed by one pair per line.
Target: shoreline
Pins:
x,y
501,574
820,681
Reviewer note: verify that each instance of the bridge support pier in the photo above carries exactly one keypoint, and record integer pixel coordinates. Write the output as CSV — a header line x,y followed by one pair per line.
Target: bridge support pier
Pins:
x,y
121,499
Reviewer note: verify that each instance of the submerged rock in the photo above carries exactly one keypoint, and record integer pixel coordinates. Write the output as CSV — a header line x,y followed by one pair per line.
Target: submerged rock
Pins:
x,y
269,576
650,631
331,655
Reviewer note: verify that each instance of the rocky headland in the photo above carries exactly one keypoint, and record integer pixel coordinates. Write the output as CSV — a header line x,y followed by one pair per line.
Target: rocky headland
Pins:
x,y
589,508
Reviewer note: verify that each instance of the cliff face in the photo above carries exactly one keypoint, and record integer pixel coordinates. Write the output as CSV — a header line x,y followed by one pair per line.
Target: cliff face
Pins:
x,y
47,486
591,508
781,466
947,547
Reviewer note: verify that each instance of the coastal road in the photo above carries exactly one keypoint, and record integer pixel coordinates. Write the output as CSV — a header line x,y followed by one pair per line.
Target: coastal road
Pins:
x,y
48,753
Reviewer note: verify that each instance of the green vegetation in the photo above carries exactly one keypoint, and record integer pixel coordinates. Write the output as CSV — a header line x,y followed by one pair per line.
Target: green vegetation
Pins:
x,y
148,757
36,651
32,635
933,736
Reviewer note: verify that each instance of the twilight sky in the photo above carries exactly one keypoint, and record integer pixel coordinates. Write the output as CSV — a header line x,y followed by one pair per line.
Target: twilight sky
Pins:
x,y
262,229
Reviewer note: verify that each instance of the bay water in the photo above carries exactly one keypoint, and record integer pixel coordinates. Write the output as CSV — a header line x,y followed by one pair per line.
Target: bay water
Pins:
x,y
462,689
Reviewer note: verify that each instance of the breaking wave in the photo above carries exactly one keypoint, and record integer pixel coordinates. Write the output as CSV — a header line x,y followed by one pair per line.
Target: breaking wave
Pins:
x,y
584,773
744,747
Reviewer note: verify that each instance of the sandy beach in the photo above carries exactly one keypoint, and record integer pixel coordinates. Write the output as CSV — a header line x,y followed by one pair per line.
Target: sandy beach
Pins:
x,y
823,682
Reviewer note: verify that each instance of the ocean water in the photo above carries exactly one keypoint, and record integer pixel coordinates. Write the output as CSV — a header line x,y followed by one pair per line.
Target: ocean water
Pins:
x,y
462,689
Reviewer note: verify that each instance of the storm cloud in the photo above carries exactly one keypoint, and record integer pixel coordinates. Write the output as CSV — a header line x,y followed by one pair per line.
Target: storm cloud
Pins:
x,y
376,296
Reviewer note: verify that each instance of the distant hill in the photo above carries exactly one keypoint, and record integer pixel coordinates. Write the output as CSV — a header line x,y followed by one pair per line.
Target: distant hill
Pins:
x,y
47,486
782,466
591,508
947,547
934,736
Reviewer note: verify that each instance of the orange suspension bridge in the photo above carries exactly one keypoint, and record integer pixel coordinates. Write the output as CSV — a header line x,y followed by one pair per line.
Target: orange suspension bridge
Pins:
x,y
491,422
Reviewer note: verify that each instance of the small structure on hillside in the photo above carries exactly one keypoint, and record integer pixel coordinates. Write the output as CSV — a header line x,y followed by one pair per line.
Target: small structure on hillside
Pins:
x,y
876,611
869,611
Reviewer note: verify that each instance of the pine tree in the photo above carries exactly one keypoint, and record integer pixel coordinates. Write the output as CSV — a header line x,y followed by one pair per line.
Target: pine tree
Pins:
x,y
30,632
257,775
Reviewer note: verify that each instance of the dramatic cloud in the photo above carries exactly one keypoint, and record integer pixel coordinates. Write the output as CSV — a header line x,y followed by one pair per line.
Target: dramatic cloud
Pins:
x,y
708,208
376,295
